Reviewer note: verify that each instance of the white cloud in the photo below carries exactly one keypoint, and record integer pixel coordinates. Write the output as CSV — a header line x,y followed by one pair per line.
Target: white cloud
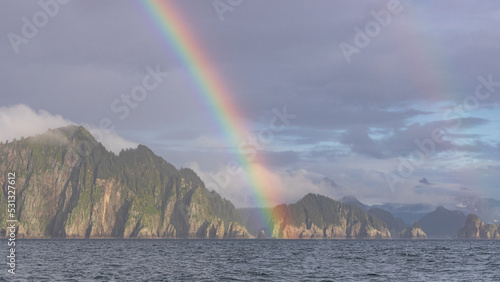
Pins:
x,y
111,140
22,121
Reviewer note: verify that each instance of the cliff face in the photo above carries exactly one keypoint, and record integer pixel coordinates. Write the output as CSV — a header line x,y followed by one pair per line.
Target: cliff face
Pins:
x,y
70,186
414,232
475,228
315,217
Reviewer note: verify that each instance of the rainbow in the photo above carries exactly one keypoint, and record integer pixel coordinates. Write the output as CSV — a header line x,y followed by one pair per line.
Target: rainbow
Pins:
x,y
213,91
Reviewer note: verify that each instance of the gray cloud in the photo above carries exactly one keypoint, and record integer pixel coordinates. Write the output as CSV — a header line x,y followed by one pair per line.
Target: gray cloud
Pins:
x,y
272,54
404,141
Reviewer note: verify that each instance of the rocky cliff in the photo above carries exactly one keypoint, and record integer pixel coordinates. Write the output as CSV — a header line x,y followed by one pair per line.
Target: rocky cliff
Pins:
x,y
475,228
315,217
70,186
414,232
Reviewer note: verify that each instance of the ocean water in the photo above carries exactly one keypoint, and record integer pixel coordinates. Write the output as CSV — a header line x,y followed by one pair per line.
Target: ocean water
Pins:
x,y
254,260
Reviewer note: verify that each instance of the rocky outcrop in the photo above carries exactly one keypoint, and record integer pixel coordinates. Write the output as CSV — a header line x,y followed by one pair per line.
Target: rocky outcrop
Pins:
x,y
475,228
319,217
261,234
414,232
70,186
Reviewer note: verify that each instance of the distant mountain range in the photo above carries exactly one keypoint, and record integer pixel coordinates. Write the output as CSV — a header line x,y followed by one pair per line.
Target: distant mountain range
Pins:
x,y
435,222
442,223
408,213
70,186
487,209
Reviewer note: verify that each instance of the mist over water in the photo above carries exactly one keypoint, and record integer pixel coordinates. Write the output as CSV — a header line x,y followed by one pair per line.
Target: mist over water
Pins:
x,y
255,260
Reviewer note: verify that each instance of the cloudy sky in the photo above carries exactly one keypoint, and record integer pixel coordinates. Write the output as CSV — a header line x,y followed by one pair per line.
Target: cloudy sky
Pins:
x,y
382,93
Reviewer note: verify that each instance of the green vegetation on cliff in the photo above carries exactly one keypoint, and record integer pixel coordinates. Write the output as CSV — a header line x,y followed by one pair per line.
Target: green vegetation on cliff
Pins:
x,y
70,186
316,216
323,211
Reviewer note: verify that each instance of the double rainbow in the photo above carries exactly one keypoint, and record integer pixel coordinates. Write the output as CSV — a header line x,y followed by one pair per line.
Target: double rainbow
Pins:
x,y
214,92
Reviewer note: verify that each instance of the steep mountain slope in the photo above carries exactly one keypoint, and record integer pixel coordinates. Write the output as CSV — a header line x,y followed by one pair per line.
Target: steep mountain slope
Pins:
x,y
442,223
395,225
316,216
70,186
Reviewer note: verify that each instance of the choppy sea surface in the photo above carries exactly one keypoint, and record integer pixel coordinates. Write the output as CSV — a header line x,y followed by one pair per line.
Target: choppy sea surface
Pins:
x,y
254,260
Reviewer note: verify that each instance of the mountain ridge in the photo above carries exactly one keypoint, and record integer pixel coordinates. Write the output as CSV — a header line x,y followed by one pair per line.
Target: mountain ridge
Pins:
x,y
317,216
70,186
